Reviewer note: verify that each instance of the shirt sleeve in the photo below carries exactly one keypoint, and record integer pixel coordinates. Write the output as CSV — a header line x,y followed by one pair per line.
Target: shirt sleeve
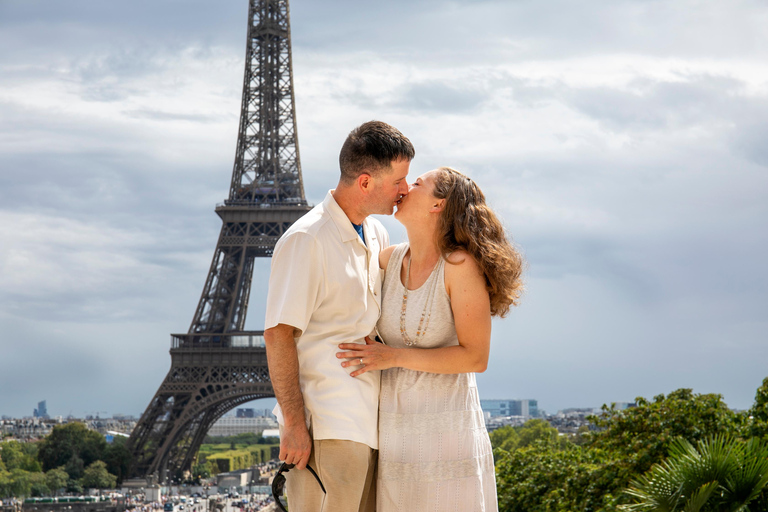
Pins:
x,y
295,282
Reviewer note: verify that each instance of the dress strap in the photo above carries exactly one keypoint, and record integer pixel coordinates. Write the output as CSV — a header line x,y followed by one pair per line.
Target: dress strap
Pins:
x,y
396,260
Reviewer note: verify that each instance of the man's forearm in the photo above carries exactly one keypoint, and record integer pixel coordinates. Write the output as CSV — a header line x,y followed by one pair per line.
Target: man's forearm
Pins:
x,y
283,362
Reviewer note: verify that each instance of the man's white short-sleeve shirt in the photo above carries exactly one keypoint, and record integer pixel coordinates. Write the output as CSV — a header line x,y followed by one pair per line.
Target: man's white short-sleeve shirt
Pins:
x,y
326,283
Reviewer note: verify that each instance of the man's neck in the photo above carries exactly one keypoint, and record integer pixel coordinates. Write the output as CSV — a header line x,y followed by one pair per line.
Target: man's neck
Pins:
x,y
345,198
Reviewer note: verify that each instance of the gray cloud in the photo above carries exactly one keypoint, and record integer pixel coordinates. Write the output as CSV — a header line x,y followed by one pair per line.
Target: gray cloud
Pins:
x,y
621,142
440,97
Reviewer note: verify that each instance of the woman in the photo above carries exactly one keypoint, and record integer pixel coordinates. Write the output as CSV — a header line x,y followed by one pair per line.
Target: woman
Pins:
x,y
440,291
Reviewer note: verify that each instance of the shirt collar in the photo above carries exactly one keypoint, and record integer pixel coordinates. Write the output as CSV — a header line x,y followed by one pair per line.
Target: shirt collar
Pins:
x,y
344,225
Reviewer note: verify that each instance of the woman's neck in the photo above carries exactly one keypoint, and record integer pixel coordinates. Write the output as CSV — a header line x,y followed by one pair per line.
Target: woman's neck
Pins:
x,y
424,250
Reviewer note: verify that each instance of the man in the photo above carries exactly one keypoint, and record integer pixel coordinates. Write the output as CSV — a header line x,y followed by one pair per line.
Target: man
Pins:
x,y
325,289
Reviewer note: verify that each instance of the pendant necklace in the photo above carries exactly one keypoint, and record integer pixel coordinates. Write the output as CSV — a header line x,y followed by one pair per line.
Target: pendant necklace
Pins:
x,y
426,313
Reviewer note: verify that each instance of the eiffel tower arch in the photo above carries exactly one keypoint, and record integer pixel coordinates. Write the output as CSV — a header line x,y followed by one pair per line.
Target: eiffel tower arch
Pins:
x,y
217,365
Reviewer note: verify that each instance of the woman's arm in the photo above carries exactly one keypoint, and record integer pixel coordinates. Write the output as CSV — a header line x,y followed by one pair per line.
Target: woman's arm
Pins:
x,y
384,256
471,308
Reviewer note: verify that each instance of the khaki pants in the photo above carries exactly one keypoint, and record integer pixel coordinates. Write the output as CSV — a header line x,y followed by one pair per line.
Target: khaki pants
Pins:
x,y
348,472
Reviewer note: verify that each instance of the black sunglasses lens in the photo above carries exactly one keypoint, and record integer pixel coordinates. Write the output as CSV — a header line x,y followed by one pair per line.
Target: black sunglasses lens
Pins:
x,y
279,484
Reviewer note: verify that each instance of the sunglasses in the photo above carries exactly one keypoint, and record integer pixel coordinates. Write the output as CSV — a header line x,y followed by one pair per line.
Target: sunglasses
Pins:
x,y
278,484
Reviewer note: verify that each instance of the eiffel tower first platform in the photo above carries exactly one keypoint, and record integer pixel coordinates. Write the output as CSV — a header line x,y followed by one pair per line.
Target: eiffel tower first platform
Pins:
x,y
217,365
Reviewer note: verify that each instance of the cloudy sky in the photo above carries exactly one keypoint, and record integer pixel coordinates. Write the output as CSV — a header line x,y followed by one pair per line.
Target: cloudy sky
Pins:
x,y
624,143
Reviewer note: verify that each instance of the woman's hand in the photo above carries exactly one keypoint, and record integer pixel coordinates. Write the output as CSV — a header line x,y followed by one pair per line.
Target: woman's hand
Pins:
x,y
371,356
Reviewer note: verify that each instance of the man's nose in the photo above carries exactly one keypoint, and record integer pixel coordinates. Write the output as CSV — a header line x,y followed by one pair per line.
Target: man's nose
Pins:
x,y
404,188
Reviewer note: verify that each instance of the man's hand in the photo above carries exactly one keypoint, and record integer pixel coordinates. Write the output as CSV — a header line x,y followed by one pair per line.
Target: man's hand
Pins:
x,y
295,445
283,361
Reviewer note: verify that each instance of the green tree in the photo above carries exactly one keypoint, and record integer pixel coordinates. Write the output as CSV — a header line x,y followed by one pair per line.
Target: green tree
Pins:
x,y
75,467
118,458
96,476
15,483
504,438
56,479
18,455
511,438
535,430
201,472
38,485
549,476
758,414
67,443
642,435
719,474
74,486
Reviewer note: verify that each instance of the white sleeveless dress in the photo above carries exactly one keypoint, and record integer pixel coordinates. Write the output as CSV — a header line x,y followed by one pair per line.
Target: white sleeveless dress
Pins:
x,y
434,451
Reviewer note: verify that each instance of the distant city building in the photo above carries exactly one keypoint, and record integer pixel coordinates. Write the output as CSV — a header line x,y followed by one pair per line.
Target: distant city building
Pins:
x,y
231,426
121,425
573,419
492,424
500,408
578,411
33,429
253,413
41,411
26,429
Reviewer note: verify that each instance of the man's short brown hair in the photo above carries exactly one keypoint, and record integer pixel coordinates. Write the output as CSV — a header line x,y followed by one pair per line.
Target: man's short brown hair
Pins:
x,y
370,148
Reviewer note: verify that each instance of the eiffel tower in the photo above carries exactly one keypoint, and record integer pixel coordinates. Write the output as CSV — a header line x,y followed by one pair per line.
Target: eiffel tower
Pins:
x,y
218,365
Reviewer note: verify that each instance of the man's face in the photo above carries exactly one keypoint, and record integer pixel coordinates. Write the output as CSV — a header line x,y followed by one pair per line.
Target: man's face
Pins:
x,y
389,187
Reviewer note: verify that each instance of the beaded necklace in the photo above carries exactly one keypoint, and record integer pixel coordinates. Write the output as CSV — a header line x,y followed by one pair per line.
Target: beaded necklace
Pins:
x,y
425,313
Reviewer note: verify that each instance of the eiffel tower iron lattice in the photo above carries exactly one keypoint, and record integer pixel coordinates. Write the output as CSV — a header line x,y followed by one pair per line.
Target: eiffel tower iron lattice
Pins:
x,y
218,365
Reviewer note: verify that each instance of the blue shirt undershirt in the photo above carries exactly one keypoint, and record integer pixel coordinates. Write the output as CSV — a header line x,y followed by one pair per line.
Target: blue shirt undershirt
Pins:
x,y
359,229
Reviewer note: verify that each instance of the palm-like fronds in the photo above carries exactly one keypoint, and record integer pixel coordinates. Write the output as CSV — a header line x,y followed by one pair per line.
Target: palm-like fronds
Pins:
x,y
748,480
719,474
700,496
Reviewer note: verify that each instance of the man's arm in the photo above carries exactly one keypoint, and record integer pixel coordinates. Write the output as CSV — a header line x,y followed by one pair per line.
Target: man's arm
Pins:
x,y
283,361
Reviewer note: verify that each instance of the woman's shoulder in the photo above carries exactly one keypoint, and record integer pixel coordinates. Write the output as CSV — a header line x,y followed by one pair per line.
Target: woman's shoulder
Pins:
x,y
460,266
461,258
386,254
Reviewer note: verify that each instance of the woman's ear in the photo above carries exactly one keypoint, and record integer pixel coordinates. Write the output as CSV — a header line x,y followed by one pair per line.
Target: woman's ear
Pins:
x,y
438,206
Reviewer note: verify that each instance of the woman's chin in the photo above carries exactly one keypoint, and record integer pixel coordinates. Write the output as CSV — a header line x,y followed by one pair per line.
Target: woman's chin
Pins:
x,y
402,218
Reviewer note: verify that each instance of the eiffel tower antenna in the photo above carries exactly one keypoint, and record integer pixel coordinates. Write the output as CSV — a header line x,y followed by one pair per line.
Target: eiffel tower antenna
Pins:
x,y
218,365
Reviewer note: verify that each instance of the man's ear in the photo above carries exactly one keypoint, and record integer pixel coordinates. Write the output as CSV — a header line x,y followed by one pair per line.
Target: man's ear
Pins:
x,y
365,183
438,206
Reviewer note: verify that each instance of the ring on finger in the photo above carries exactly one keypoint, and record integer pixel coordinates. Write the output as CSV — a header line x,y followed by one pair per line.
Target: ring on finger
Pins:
x,y
361,362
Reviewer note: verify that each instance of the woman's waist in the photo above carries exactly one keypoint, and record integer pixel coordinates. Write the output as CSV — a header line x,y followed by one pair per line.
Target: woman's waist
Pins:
x,y
403,380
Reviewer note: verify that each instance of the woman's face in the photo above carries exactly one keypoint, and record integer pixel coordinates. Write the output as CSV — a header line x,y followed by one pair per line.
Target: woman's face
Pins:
x,y
420,201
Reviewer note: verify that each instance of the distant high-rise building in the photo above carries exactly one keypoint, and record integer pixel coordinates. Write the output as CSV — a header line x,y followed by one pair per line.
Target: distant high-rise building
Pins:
x,y
246,413
525,408
41,411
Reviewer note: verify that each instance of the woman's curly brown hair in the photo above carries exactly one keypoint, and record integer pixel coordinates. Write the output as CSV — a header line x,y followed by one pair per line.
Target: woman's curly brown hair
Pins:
x,y
468,223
